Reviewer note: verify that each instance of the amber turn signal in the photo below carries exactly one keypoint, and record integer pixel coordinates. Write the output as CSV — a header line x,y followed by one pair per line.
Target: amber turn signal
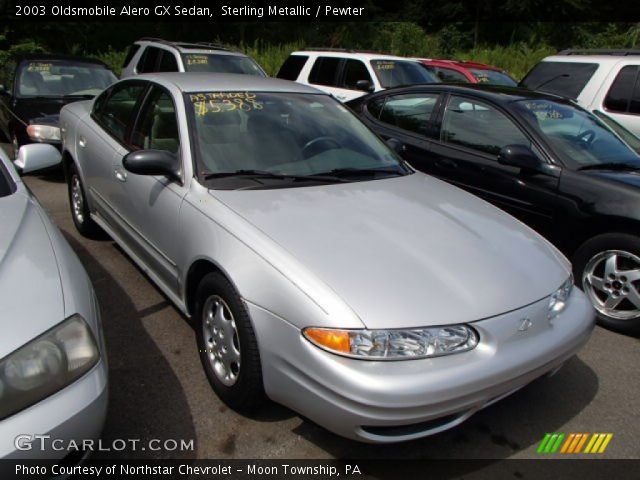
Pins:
x,y
336,340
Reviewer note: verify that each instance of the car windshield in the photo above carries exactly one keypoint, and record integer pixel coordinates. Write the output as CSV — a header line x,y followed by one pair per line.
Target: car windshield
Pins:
x,y
244,136
579,137
220,63
394,73
492,77
60,78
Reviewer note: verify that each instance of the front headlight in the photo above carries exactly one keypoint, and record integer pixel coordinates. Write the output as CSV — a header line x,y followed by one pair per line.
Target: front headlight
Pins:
x,y
46,364
559,298
406,344
40,133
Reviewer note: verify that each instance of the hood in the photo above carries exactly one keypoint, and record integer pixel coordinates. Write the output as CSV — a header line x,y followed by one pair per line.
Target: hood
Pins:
x,y
631,178
408,251
31,299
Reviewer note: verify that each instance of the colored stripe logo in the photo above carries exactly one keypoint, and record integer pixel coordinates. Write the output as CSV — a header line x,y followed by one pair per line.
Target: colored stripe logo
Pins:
x,y
574,443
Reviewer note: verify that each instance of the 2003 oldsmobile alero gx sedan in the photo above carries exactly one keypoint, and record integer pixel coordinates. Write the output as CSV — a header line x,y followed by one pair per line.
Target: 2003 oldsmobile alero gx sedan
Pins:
x,y
317,267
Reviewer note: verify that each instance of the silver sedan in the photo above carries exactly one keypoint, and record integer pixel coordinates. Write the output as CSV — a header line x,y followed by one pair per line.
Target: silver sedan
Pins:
x,y
53,369
319,269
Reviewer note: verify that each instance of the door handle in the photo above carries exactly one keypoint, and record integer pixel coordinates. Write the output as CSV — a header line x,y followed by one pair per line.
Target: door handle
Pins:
x,y
82,142
120,174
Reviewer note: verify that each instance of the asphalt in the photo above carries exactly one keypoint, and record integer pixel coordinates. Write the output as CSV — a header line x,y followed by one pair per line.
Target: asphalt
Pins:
x,y
159,391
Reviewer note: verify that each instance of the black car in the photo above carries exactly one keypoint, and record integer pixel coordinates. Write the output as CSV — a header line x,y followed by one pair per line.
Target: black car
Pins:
x,y
38,86
548,162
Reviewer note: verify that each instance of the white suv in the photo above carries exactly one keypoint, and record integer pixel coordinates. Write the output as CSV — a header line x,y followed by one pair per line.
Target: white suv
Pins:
x,y
599,80
349,74
157,55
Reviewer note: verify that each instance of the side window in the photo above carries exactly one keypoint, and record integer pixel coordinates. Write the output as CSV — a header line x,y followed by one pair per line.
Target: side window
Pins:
x,y
375,106
354,71
618,98
325,71
133,49
157,126
148,60
411,112
168,62
479,126
99,102
448,75
292,67
118,109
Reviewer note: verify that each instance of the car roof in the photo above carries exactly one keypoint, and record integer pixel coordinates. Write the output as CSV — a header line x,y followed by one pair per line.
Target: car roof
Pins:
x,y
53,56
495,93
351,54
459,63
600,59
188,47
226,82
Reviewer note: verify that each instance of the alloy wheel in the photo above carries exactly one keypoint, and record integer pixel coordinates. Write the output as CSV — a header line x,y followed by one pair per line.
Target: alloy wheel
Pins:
x,y
221,340
611,279
77,200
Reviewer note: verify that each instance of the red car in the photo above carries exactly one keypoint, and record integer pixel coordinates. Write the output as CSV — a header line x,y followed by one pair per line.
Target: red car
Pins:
x,y
454,71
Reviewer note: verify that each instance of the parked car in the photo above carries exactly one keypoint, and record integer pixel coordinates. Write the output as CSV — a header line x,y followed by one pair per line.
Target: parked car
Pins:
x,y
604,80
349,74
541,158
53,368
309,255
32,94
149,55
457,71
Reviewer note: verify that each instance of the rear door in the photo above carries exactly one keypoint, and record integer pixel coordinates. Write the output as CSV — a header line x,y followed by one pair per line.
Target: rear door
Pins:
x,y
101,136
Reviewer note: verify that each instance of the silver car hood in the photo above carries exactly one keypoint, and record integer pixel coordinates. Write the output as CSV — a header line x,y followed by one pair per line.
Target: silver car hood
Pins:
x,y
407,251
31,300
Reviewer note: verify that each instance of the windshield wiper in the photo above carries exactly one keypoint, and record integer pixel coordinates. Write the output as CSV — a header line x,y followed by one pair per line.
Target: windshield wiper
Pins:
x,y
266,174
88,96
611,166
361,171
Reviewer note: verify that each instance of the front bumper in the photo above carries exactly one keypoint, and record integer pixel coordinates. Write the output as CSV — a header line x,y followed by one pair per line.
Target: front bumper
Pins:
x,y
72,415
374,401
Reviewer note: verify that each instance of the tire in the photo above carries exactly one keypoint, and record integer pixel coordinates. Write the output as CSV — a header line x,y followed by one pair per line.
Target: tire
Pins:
x,y
78,206
235,374
607,269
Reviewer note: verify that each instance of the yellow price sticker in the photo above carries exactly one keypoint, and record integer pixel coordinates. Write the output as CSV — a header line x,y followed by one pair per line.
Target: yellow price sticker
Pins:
x,y
220,102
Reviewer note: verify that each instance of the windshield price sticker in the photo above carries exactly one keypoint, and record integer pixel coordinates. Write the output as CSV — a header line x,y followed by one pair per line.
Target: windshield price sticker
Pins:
x,y
220,102
544,111
197,59
385,65
39,67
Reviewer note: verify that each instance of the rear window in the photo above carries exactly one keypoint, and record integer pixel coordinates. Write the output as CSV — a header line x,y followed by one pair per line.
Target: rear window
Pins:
x,y
492,77
133,49
560,78
395,73
221,63
290,69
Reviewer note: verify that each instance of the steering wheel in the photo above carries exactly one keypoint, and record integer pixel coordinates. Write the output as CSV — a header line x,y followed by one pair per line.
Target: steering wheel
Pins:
x,y
329,142
587,137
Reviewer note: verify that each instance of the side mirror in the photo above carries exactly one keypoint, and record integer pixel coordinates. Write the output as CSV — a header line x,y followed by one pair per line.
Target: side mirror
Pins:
x,y
395,145
364,85
519,156
37,156
153,162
